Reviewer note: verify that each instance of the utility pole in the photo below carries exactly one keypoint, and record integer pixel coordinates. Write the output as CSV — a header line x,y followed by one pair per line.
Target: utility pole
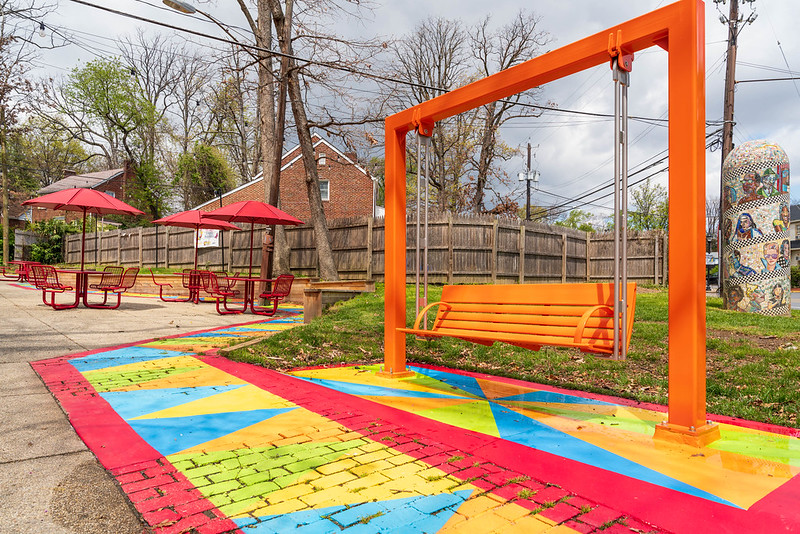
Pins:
x,y
528,176
528,201
734,21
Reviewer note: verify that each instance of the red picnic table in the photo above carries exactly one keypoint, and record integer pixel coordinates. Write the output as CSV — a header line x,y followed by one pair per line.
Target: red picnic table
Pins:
x,y
21,270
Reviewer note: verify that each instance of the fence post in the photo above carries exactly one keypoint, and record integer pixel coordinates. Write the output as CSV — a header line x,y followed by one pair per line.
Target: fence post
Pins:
x,y
449,248
370,222
141,246
588,260
564,257
494,250
655,258
664,261
119,247
522,235
166,247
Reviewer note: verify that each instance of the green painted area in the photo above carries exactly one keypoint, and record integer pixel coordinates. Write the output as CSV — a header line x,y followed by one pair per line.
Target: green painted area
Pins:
x,y
235,479
475,416
772,447
630,424
111,380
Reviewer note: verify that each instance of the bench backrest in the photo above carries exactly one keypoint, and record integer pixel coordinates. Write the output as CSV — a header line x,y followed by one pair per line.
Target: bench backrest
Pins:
x,y
282,286
38,275
112,276
552,312
129,278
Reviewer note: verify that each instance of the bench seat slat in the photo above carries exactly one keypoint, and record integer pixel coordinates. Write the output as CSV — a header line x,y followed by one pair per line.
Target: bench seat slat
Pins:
x,y
522,340
455,317
571,310
501,329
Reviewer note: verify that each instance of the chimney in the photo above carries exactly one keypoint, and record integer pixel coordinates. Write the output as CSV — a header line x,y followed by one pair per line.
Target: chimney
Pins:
x,y
352,156
70,172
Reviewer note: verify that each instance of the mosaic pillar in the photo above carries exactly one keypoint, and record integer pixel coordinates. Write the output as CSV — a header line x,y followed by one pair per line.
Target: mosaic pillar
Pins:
x,y
755,229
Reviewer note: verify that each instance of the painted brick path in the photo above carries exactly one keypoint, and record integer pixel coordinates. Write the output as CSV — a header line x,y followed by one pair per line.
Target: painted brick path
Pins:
x,y
202,444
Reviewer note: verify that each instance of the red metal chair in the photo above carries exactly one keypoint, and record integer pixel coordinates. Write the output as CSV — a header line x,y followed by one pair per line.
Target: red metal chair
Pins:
x,y
212,286
45,277
110,279
161,286
192,280
127,281
280,290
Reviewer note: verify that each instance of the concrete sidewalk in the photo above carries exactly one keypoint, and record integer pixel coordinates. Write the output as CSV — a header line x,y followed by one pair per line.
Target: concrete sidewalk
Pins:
x,y
45,469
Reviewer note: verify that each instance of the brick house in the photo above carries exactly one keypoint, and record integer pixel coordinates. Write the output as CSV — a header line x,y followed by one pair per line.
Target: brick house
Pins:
x,y
347,189
112,182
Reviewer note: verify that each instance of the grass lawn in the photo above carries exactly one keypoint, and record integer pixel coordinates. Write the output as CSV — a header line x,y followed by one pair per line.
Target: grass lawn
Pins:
x,y
753,360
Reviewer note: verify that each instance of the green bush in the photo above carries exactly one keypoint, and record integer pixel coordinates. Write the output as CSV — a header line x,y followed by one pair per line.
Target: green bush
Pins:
x,y
50,247
796,276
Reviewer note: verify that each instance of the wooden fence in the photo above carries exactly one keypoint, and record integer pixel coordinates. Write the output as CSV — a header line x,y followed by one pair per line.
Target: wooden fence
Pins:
x,y
461,250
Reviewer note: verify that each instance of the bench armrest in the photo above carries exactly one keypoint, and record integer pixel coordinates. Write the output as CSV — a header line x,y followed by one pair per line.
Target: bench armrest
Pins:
x,y
425,310
585,317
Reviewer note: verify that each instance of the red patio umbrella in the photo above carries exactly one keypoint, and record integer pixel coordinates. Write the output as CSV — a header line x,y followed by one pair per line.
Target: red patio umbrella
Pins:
x,y
254,212
85,200
195,219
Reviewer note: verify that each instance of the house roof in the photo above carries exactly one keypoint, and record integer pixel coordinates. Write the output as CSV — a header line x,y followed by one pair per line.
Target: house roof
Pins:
x,y
89,180
292,156
794,212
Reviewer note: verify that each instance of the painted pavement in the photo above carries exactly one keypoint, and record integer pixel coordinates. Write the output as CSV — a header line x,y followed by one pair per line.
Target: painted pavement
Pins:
x,y
203,444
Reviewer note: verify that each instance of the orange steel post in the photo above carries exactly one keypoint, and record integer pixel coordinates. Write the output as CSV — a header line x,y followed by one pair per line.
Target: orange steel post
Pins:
x,y
687,303
678,28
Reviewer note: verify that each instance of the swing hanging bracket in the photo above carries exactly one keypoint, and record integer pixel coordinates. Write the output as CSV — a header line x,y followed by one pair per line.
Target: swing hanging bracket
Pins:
x,y
624,60
423,126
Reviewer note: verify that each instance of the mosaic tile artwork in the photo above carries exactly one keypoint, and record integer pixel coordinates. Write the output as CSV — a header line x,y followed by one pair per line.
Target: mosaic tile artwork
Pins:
x,y
755,229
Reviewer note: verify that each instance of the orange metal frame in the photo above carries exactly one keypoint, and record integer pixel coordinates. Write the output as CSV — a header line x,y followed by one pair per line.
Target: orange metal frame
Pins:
x,y
677,28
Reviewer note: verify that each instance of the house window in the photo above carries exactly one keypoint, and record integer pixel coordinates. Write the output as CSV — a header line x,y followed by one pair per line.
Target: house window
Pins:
x,y
110,193
322,160
325,189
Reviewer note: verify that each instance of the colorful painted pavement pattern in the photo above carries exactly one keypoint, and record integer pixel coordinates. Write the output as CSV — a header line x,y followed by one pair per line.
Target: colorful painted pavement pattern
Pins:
x,y
203,444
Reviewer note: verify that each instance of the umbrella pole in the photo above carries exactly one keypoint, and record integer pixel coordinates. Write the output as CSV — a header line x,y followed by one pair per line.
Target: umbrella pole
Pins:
x,y
251,251
83,237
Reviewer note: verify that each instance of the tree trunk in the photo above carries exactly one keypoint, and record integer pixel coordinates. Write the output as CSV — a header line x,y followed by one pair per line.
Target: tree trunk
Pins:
x,y
328,269
4,170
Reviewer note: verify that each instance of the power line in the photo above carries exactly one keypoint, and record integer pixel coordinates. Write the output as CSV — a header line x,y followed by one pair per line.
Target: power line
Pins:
x,y
335,66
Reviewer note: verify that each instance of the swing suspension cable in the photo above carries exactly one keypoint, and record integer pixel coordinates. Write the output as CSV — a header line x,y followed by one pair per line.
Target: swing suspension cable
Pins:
x,y
621,84
421,261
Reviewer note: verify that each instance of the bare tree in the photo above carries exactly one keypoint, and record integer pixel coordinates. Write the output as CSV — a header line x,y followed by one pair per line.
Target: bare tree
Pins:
x,y
283,28
16,27
435,58
495,51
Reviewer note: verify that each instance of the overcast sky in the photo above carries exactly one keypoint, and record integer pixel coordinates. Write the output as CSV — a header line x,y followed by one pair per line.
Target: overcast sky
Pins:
x,y
572,153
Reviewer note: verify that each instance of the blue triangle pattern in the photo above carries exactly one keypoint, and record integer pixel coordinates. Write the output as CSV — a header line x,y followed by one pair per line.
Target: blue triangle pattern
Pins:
x,y
124,356
550,396
465,383
352,388
130,404
169,435
518,428
426,513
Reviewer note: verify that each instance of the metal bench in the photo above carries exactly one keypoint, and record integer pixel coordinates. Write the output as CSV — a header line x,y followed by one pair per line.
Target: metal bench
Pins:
x,y
529,315
45,277
280,290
